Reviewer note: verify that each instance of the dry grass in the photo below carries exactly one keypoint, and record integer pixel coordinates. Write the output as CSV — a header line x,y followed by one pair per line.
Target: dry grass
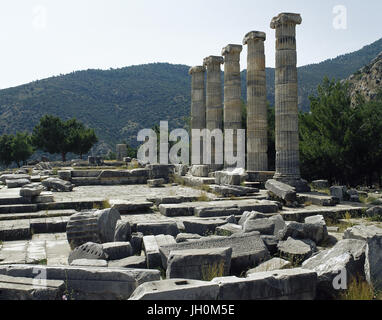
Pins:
x,y
203,197
104,205
176,179
359,290
210,272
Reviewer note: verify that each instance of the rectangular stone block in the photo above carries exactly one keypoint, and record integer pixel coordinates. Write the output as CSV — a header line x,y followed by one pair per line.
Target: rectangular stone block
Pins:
x,y
199,264
88,283
157,228
151,246
20,288
176,210
249,249
177,289
289,284
202,227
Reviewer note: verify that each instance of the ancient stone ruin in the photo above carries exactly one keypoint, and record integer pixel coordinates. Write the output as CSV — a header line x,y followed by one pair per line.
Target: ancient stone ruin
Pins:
x,y
200,232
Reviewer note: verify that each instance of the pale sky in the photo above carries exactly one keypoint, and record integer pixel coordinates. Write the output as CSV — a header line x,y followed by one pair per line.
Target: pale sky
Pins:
x,y
42,38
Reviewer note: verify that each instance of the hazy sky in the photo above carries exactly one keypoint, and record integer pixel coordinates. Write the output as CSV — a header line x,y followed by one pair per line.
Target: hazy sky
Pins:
x,y
51,37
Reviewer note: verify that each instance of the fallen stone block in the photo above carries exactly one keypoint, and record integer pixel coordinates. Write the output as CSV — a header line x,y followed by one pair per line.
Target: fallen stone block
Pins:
x,y
5,177
55,184
17,183
223,211
88,283
155,183
271,243
122,231
227,178
264,226
373,262
228,229
88,251
281,190
176,289
183,237
176,210
199,264
136,242
289,284
171,199
296,230
117,250
36,178
322,231
31,190
339,192
270,225
296,251
374,211
65,174
271,265
156,228
233,191
362,232
347,256
199,170
151,246
181,169
318,199
44,197
157,171
89,263
248,250
20,288
130,207
138,262
202,227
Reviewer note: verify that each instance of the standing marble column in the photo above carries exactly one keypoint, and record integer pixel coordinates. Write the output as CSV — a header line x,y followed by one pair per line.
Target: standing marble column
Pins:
x,y
214,101
286,101
198,102
257,121
232,93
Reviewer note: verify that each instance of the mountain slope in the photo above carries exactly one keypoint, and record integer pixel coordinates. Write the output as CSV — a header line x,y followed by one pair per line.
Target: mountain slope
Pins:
x,y
119,102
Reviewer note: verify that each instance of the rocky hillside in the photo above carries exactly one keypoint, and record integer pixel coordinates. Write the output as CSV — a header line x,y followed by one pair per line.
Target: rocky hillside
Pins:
x,y
367,82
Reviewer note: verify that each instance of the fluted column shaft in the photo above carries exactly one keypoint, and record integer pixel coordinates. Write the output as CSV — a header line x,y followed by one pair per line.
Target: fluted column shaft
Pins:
x,y
257,120
286,98
198,101
214,101
232,93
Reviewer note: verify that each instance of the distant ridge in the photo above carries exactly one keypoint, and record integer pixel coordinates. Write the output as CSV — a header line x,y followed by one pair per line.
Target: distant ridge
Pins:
x,y
120,102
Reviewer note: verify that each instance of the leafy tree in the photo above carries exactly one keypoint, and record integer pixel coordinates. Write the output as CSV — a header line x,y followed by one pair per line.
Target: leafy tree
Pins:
x,y
84,139
22,148
56,136
337,141
6,147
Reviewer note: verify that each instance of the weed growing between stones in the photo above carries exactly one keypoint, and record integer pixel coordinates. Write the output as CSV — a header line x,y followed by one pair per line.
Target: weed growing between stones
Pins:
x,y
173,178
210,272
43,262
162,273
360,290
104,205
67,294
203,197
